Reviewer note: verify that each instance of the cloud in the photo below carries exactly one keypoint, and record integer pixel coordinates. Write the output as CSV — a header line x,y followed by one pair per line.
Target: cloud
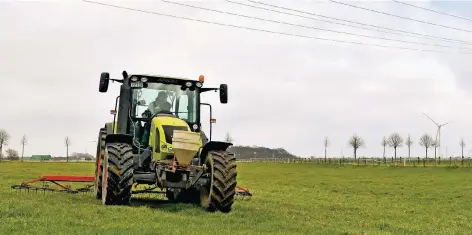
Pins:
x,y
283,91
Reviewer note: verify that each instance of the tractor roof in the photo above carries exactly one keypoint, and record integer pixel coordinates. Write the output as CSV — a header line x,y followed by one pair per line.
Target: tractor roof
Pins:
x,y
164,76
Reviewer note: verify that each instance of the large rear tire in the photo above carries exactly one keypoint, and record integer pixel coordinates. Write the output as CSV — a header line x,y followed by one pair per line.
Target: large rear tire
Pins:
x,y
220,193
99,163
117,174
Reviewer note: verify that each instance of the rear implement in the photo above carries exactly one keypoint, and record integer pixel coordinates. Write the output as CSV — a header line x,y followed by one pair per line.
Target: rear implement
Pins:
x,y
58,180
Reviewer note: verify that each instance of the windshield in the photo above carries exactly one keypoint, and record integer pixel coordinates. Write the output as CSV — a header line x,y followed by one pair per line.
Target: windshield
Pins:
x,y
169,97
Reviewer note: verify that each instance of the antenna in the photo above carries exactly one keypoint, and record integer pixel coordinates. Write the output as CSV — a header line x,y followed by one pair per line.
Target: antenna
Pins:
x,y
438,133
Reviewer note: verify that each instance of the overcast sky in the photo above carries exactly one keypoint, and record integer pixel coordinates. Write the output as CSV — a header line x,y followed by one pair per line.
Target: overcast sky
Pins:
x,y
284,91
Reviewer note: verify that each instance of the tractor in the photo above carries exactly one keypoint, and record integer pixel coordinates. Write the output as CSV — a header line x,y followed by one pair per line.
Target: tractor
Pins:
x,y
156,139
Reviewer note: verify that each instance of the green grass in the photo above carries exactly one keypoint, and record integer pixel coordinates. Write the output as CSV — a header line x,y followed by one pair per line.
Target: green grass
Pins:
x,y
288,199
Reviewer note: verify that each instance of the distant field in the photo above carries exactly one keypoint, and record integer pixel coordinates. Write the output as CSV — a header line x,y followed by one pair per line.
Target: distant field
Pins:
x,y
375,161
288,199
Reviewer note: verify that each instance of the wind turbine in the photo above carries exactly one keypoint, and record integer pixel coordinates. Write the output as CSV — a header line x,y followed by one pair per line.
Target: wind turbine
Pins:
x,y
438,133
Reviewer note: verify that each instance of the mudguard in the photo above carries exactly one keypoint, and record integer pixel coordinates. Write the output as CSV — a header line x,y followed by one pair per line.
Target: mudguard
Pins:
x,y
109,128
212,146
119,138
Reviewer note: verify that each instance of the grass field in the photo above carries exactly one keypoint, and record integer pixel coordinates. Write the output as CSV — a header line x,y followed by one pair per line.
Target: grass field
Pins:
x,y
288,199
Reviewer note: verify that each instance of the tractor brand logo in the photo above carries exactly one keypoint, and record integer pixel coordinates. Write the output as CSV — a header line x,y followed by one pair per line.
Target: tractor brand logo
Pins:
x,y
167,80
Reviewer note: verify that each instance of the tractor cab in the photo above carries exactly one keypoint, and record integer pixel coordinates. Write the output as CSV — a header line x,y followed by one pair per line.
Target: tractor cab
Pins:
x,y
178,99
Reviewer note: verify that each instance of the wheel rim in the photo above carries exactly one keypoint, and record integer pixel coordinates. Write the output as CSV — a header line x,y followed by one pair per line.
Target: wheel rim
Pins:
x,y
97,167
105,178
206,191
97,174
98,163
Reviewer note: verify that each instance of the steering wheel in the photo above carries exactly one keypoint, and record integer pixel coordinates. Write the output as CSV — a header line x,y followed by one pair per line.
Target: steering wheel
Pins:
x,y
164,111
159,112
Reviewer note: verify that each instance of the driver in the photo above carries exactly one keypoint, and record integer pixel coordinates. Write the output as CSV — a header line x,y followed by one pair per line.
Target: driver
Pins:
x,y
160,103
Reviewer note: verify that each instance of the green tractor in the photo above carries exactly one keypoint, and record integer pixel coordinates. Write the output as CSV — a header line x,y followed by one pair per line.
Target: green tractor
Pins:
x,y
156,139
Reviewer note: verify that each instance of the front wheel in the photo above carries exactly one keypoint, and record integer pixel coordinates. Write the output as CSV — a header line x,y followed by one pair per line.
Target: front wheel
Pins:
x,y
117,177
220,192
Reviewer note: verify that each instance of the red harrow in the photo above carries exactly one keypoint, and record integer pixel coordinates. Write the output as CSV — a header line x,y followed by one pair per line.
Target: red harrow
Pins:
x,y
56,179
242,193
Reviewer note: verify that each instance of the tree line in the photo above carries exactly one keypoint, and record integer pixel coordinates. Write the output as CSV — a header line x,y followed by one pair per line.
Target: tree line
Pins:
x,y
395,140
12,154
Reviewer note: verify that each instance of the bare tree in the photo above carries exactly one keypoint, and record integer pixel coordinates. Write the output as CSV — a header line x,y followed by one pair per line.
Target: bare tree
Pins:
x,y
12,154
356,142
4,138
67,143
427,142
409,143
395,141
326,145
384,144
24,141
462,143
228,138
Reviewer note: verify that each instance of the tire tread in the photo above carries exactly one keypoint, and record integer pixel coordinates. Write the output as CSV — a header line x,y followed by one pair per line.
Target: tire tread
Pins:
x,y
224,181
120,174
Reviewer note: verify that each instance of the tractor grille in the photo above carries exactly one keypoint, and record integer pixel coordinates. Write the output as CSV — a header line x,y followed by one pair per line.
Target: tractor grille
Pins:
x,y
169,131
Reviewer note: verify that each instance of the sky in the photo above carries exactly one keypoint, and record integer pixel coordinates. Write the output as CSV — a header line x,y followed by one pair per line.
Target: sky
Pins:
x,y
284,91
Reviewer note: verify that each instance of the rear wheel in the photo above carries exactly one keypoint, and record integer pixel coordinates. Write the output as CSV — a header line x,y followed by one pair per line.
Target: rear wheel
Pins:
x,y
220,192
117,177
99,163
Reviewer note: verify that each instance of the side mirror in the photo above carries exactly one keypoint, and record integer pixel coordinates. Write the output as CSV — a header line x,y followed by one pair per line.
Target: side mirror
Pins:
x,y
224,93
104,81
142,102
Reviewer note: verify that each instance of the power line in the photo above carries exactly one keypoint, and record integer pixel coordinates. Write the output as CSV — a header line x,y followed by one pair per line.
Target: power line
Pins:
x,y
353,22
431,10
401,17
309,27
332,22
268,31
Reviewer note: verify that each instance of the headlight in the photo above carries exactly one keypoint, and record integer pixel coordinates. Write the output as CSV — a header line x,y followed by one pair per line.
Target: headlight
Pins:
x,y
195,126
144,79
134,79
199,84
188,84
